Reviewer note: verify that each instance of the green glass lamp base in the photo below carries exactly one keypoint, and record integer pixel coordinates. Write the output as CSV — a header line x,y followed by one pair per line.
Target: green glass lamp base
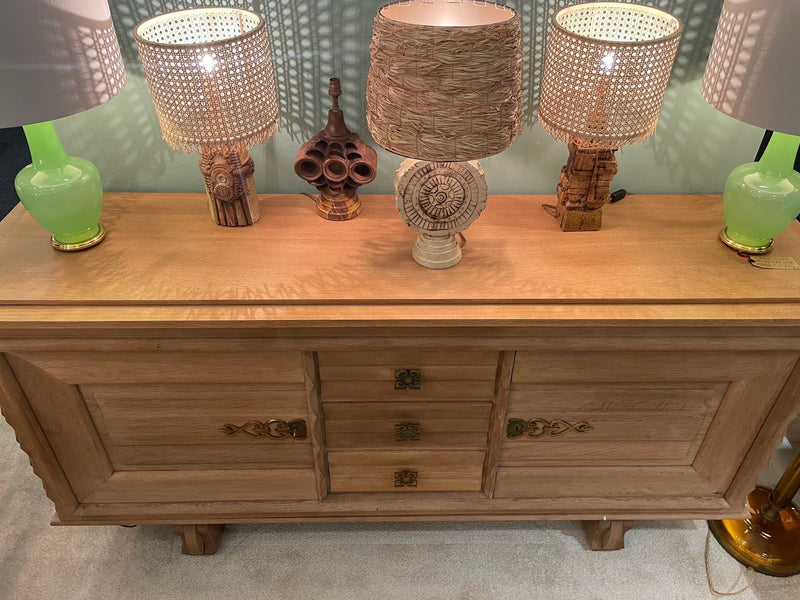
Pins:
x,y
62,193
81,245
769,545
739,247
762,198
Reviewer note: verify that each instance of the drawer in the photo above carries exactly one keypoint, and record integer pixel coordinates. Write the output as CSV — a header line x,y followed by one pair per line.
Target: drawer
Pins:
x,y
151,427
170,367
626,423
411,471
408,375
406,425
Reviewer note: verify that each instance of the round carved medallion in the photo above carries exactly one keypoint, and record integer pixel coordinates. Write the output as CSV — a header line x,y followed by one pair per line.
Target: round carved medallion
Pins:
x,y
440,197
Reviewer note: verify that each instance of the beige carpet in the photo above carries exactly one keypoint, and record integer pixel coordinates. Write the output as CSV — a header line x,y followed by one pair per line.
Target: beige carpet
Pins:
x,y
426,561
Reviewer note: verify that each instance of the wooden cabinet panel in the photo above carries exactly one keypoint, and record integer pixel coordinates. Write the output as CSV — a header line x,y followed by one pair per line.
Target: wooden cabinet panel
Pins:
x,y
169,367
428,471
206,486
183,425
624,423
406,425
601,482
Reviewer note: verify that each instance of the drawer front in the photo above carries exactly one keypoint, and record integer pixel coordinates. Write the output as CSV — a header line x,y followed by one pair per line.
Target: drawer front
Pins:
x,y
627,423
408,375
155,427
405,472
406,425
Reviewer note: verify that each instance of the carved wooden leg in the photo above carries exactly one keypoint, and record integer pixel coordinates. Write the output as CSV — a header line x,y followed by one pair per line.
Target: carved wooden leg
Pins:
x,y
584,188
606,535
199,539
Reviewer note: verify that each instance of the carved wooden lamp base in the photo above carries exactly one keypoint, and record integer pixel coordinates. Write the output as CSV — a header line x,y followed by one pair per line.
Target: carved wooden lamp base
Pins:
x,y
338,209
231,188
438,200
585,187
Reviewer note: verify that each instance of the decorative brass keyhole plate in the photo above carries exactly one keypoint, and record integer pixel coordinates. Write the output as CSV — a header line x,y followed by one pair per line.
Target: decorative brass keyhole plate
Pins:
x,y
407,432
406,478
407,379
276,429
535,428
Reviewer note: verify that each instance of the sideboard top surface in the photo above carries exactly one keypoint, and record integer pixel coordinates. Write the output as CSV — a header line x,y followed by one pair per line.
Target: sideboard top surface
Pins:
x,y
164,251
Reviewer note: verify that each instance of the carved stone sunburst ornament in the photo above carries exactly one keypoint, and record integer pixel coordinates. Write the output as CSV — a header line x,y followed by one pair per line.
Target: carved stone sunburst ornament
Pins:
x,y
438,200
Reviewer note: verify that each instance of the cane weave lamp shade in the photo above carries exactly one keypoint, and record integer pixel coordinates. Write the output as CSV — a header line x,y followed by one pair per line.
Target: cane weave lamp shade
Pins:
x,y
445,79
606,72
211,77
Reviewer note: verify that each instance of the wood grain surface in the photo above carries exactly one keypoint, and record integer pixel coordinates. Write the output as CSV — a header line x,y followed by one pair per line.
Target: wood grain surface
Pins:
x,y
516,254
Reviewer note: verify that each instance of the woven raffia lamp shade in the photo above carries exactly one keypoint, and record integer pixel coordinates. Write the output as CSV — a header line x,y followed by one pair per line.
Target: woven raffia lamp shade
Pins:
x,y
444,89
213,86
605,74
751,76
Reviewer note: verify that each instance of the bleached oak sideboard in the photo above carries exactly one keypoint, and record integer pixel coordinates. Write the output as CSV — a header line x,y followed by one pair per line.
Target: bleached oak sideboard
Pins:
x,y
188,374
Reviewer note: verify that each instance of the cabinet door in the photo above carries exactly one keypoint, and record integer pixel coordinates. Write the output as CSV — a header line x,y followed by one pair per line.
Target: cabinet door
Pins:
x,y
187,427
634,424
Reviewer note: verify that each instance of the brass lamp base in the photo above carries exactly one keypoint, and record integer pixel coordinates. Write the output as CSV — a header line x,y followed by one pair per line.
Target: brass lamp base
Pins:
x,y
74,247
723,236
768,540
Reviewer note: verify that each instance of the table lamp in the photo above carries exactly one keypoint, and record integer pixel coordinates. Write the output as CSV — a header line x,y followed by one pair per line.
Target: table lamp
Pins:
x,y
768,540
751,76
58,59
444,89
211,77
605,75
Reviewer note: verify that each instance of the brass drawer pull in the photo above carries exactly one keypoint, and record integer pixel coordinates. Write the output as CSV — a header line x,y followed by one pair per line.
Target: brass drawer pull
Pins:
x,y
407,379
535,428
276,429
406,478
407,432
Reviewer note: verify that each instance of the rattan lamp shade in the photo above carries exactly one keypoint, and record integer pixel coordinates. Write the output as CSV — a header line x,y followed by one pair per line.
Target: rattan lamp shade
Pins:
x,y
211,77
445,79
606,72
751,73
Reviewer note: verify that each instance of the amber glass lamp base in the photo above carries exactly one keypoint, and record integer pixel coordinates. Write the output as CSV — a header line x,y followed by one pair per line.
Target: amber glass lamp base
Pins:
x,y
767,540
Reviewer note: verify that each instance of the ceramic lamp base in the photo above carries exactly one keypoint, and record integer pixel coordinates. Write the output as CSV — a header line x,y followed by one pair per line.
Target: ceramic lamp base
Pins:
x,y
770,546
436,252
438,200
739,247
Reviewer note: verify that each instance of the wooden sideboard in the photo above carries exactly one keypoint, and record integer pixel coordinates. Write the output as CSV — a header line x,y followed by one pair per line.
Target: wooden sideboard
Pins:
x,y
188,374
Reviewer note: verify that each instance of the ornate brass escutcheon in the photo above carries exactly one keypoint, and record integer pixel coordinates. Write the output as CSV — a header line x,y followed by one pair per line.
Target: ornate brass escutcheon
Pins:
x,y
406,478
407,379
407,432
535,428
276,429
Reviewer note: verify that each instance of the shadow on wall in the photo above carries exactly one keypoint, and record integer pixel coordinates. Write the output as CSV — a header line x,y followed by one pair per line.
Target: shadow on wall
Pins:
x,y
314,41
